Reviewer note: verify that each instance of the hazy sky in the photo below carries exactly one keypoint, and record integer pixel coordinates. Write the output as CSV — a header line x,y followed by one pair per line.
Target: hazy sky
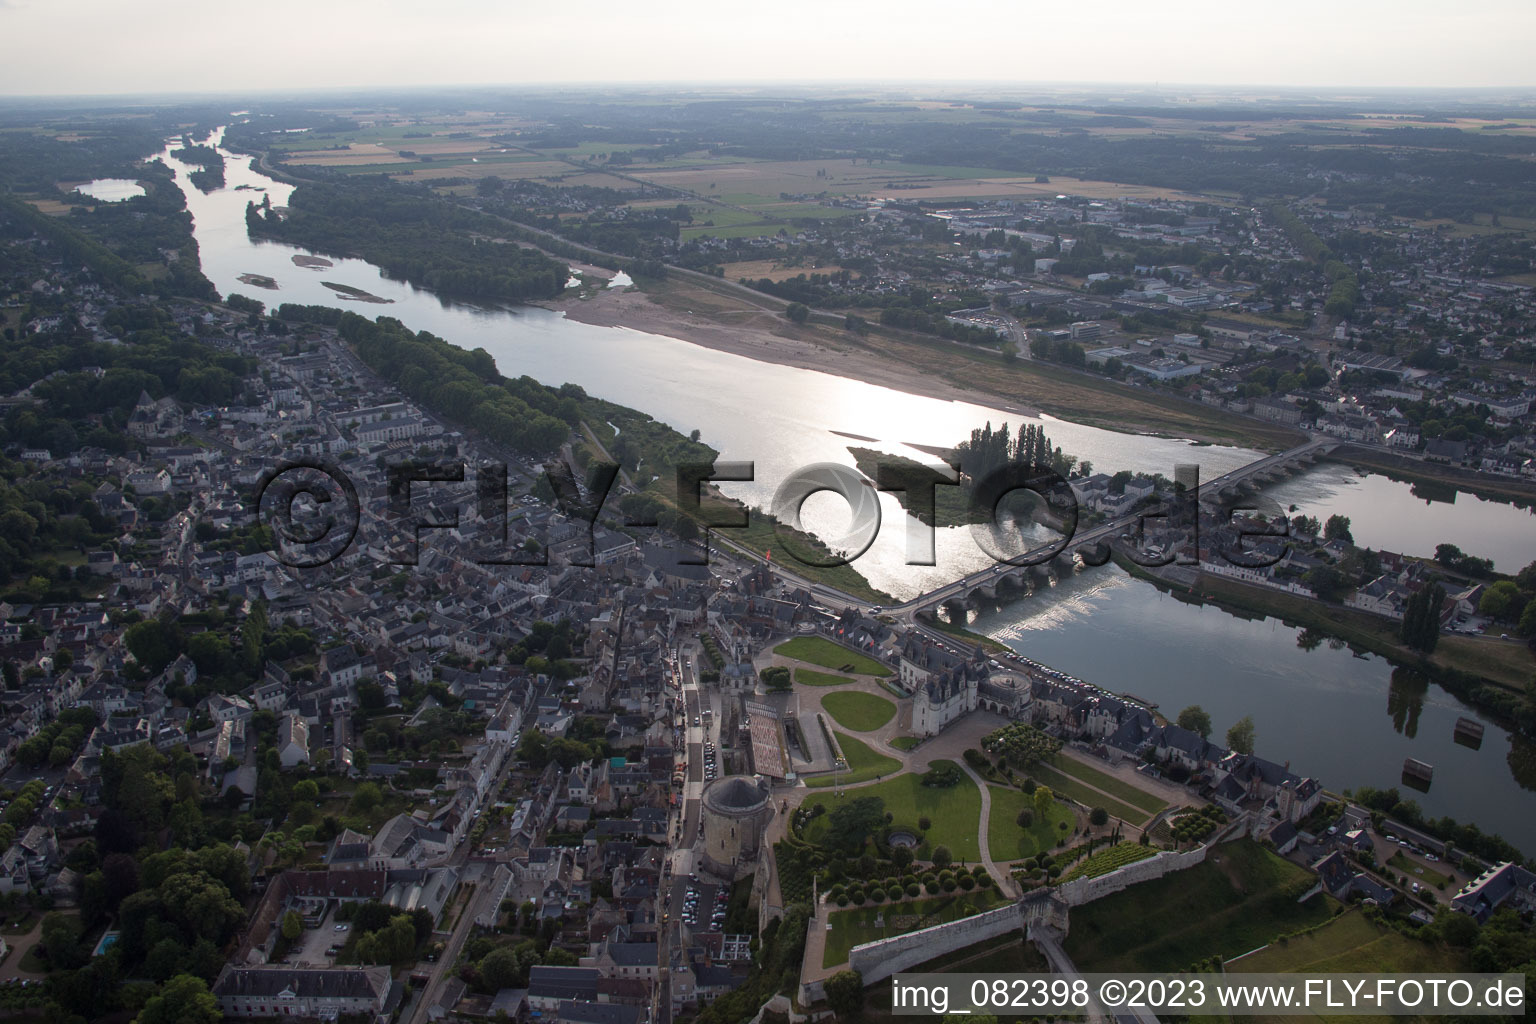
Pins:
x,y
114,46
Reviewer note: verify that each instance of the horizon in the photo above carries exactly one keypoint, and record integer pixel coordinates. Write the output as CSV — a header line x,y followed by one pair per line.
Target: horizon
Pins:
x,y
299,48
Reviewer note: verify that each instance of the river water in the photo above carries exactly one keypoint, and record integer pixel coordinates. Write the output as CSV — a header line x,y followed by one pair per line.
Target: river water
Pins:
x,y
1333,715
1347,720
779,417
1409,519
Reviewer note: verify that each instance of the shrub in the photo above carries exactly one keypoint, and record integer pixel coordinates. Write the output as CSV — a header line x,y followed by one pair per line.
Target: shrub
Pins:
x,y
894,892
1098,816
1025,819
925,823
913,889
877,895
985,881
948,885
933,888
967,882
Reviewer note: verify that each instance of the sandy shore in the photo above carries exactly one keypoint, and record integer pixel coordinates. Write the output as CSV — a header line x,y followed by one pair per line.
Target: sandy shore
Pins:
x,y
751,332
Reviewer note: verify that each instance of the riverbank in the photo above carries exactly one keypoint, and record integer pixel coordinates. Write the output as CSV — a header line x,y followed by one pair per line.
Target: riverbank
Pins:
x,y
724,316
1488,674
1418,471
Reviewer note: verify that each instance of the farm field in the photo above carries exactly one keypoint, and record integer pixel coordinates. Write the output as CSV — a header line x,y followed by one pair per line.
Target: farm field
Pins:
x,y
954,812
857,710
815,650
1006,841
1240,898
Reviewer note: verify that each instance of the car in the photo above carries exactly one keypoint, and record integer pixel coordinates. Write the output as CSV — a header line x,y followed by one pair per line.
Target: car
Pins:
x,y
1430,856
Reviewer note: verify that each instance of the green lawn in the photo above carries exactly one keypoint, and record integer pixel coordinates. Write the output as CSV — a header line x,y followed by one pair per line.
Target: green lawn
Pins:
x,y
1350,943
816,650
1108,783
857,710
811,677
1416,872
1242,897
904,742
853,927
954,811
1068,786
1006,841
863,764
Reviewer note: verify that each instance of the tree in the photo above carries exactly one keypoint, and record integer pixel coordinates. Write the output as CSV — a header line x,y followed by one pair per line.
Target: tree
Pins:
x,y
942,858
845,993
901,857
1421,619
1501,601
367,797
1024,818
500,968
1240,736
293,926
1044,799
797,312
1195,719
1337,528
185,999
1098,816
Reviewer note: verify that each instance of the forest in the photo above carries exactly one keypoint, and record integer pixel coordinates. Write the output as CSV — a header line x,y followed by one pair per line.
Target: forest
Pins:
x,y
413,237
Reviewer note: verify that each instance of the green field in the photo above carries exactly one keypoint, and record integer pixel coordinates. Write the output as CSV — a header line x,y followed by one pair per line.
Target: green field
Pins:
x,y
1240,898
1068,786
857,710
863,764
816,650
1351,943
1006,841
854,927
955,811
811,677
1416,872
1108,783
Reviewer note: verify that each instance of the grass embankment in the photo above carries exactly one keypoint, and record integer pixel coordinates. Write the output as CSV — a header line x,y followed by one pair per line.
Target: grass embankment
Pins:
x,y
811,677
1006,841
1504,663
1103,781
857,710
1350,943
817,650
954,811
857,926
864,764
1068,786
1240,898
960,632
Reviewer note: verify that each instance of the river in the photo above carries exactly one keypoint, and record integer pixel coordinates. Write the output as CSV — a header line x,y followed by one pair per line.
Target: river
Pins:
x,y
782,418
1411,519
1325,710
1346,720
